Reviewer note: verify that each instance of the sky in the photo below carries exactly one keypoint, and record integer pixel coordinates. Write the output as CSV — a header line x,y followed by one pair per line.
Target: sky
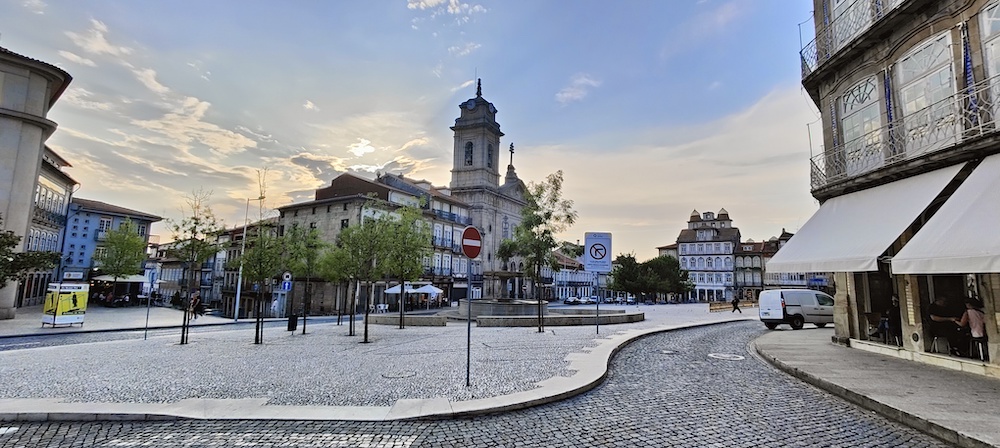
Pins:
x,y
652,109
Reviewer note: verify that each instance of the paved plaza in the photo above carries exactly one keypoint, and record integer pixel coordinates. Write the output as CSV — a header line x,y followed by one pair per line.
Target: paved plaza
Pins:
x,y
369,391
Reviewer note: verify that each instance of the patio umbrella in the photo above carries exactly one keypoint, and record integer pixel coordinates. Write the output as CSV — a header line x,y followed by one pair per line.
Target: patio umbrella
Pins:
x,y
429,289
396,289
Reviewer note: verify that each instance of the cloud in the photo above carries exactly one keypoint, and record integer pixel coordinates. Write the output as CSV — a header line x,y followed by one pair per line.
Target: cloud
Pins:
x,y
453,7
73,57
80,97
463,85
147,77
714,85
578,88
310,106
705,26
361,147
184,125
35,6
463,50
761,152
94,41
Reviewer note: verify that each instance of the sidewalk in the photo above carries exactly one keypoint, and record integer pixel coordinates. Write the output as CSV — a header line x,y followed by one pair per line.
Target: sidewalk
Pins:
x,y
28,320
958,407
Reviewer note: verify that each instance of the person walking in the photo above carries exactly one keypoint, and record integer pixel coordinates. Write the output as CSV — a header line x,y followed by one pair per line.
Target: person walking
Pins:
x,y
736,305
196,309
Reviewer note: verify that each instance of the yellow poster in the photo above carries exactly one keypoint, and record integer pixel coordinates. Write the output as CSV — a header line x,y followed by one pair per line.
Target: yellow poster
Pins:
x,y
65,303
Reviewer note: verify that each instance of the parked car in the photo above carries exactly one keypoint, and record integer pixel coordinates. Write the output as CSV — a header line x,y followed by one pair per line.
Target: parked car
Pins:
x,y
795,307
589,300
630,300
572,301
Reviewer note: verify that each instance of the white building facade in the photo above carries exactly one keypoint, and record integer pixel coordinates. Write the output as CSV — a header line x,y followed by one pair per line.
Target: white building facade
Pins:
x,y
706,250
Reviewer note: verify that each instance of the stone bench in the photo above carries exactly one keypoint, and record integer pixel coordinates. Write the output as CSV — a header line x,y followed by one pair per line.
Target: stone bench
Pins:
x,y
556,320
408,320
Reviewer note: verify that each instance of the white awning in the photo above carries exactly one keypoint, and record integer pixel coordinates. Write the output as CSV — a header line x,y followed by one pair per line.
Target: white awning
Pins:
x,y
958,239
848,233
138,278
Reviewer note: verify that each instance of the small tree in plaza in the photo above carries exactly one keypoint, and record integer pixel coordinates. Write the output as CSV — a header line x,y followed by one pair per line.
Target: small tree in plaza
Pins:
x,y
123,254
665,276
15,264
545,215
262,262
302,249
405,242
195,236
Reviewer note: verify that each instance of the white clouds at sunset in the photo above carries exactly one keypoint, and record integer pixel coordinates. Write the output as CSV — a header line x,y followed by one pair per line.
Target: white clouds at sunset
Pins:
x,y
579,86
94,41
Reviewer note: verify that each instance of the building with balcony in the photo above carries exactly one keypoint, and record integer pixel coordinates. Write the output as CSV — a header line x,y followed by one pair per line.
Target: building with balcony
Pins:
x,y
706,249
28,90
909,94
48,221
349,199
87,228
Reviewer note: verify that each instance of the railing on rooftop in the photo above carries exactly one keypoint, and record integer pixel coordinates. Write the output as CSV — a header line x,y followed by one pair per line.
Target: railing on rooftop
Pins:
x,y
964,116
848,22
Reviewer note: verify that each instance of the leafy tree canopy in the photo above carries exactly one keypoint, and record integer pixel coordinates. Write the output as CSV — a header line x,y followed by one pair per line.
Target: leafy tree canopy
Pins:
x,y
15,264
124,251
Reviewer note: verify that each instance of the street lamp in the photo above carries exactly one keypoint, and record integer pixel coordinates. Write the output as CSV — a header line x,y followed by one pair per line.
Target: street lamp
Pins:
x,y
243,250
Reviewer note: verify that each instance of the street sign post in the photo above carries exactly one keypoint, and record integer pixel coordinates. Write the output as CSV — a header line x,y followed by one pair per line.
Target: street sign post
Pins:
x,y
472,245
597,253
597,259
472,242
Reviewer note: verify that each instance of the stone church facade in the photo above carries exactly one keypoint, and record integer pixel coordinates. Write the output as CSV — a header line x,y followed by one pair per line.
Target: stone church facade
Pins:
x,y
495,208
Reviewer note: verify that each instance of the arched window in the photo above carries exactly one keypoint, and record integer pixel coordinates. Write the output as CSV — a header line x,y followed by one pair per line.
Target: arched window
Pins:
x,y
701,262
684,263
468,154
709,262
489,156
729,262
718,262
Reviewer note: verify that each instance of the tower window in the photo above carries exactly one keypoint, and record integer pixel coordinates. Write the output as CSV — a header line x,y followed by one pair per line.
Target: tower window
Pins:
x,y
489,156
468,154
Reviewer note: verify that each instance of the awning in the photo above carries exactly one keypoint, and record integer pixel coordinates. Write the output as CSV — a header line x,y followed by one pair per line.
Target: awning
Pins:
x,y
130,279
396,289
848,233
958,239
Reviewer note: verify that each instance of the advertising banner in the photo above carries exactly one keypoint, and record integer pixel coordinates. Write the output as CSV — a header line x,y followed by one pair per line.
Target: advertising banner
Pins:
x,y
65,303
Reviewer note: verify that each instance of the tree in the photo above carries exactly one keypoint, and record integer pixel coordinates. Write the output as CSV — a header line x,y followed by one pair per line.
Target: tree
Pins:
x,y
665,276
405,242
627,275
124,252
196,240
15,264
302,250
545,215
262,262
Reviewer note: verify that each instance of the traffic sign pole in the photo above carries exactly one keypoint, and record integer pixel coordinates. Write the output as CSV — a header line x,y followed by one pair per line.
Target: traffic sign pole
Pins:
x,y
472,244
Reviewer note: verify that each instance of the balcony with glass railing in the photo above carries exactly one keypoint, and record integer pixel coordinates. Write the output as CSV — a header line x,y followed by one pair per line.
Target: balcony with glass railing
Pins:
x,y
848,21
946,124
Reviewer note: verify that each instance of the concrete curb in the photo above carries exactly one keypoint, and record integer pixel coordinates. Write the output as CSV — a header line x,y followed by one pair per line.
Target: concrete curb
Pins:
x,y
591,366
920,424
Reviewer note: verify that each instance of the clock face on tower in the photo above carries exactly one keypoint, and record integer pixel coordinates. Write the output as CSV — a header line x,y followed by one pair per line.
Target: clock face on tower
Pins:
x,y
493,110
471,104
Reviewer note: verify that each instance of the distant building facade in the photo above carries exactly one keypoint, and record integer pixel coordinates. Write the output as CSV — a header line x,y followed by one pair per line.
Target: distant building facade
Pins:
x,y
28,89
706,249
48,223
87,229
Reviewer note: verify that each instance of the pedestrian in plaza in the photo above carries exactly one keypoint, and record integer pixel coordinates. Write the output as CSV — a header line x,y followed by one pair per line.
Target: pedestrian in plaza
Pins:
x,y
196,308
736,305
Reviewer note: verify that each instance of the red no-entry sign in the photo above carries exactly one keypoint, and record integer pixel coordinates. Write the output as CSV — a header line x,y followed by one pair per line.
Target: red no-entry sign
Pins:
x,y
472,242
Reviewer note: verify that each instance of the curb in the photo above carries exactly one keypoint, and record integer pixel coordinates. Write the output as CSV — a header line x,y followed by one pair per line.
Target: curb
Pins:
x,y
594,372
920,424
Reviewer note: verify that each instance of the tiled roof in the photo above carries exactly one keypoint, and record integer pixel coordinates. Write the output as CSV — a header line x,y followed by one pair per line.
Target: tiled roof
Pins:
x,y
58,89
724,234
99,206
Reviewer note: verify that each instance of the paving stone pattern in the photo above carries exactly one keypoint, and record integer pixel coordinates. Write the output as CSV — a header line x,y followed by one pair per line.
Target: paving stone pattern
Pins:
x,y
662,391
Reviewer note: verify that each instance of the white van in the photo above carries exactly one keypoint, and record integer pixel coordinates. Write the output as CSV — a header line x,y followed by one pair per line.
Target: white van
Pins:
x,y
795,307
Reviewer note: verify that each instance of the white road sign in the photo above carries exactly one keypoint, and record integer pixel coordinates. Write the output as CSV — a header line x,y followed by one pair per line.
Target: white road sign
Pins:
x,y
597,252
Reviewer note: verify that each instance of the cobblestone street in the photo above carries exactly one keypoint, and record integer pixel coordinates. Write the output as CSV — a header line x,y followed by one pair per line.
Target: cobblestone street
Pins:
x,y
696,387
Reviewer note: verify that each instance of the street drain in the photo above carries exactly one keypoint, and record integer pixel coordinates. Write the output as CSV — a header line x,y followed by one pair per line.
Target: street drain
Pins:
x,y
403,374
726,356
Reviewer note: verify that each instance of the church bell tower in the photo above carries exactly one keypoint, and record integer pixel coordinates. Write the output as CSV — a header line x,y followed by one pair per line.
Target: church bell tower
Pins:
x,y
477,145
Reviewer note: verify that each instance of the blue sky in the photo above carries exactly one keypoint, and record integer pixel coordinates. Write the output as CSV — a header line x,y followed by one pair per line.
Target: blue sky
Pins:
x,y
651,108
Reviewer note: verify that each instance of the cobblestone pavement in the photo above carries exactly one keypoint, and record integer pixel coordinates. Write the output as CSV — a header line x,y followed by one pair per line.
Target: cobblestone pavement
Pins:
x,y
698,387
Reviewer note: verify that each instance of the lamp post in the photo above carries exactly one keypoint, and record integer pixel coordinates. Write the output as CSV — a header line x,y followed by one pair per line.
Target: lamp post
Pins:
x,y
243,249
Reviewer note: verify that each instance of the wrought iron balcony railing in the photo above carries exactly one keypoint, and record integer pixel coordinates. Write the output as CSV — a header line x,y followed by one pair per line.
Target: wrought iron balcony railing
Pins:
x,y
849,21
945,124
